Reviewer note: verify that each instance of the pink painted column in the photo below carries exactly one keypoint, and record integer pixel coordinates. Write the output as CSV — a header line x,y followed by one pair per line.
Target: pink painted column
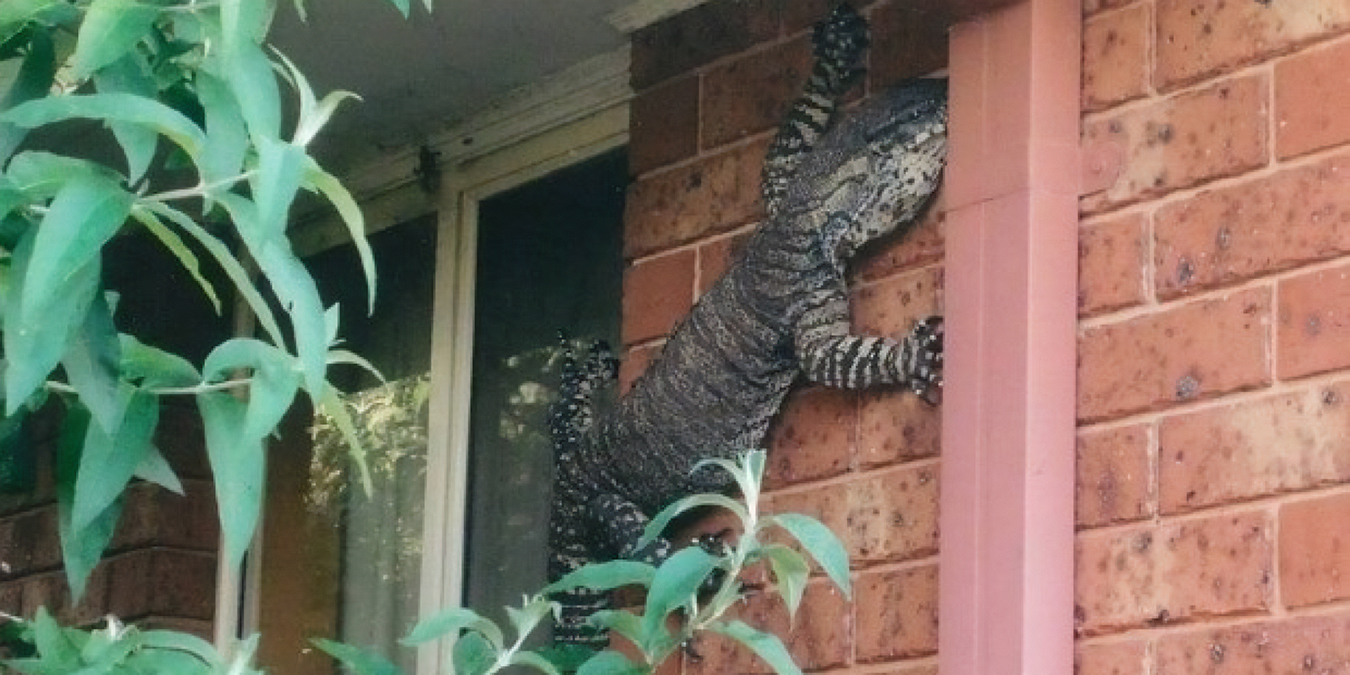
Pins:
x,y
1007,510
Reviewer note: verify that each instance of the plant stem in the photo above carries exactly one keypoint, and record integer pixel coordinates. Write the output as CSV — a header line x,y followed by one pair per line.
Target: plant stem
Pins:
x,y
203,388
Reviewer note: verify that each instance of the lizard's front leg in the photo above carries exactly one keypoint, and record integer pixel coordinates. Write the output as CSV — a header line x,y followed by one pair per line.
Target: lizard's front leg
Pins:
x,y
829,355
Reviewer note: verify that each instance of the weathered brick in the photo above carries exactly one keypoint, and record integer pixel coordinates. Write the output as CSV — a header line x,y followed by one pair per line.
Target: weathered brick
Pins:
x,y
11,598
699,36
162,582
921,245
634,362
1315,550
50,590
1111,658
713,194
1174,572
180,436
896,426
1312,89
813,437
664,126
1314,323
657,293
897,613
37,544
1309,644
1111,259
751,94
1279,221
1273,444
1115,57
818,638
715,258
1198,38
1094,6
1178,354
907,41
1115,476
891,306
887,516
1184,140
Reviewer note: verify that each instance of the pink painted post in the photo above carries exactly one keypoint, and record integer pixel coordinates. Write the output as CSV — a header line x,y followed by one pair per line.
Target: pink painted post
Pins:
x,y
1011,271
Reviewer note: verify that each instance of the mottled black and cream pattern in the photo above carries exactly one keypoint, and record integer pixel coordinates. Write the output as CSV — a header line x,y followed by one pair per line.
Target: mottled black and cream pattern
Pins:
x,y
778,315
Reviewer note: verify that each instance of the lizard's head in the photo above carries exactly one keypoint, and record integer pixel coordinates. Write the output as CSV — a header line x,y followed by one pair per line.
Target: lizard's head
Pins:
x,y
877,169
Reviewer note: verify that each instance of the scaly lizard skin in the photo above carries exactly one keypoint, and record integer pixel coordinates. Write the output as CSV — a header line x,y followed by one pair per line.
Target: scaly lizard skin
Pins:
x,y
780,314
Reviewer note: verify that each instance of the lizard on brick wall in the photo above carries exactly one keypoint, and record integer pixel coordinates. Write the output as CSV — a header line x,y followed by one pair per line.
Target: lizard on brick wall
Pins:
x,y
779,314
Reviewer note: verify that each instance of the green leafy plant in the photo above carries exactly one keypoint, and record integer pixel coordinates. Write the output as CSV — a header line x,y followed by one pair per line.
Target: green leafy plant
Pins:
x,y
676,592
191,96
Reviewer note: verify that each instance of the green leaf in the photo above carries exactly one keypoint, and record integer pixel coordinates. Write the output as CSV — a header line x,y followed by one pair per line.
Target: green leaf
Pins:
x,y
313,114
344,357
237,462
676,584
765,645
109,461
604,576
92,362
790,572
449,622
83,216
154,367
248,74
229,263
610,662
179,249
162,662
171,640
34,80
155,469
472,654
403,6
226,136
110,31
332,406
81,548
53,643
359,661
275,182
272,384
127,75
533,660
114,107
821,543
40,175
662,519
535,610
332,189
747,470
33,348
623,622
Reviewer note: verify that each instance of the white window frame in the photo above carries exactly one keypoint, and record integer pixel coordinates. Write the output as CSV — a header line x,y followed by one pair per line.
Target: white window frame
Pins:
x,y
574,116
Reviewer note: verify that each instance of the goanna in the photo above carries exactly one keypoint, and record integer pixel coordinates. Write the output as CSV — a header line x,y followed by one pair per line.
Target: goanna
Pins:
x,y
779,314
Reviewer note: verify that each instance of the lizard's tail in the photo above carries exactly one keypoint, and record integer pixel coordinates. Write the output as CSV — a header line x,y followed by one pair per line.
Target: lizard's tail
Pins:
x,y
572,414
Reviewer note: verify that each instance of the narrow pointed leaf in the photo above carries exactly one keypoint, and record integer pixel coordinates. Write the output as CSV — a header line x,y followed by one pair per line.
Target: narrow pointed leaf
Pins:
x,y
472,655
605,576
248,74
226,134
623,622
610,662
765,645
661,520
109,461
155,469
110,30
114,107
237,463
821,543
535,661
53,643
677,582
272,383
154,367
337,195
187,643
790,572
359,661
449,622
179,249
83,216
331,405
81,548
92,362
127,75
34,80
40,175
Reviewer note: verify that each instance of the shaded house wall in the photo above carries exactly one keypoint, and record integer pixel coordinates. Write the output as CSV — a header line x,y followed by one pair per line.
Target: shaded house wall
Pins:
x,y
1214,342
712,85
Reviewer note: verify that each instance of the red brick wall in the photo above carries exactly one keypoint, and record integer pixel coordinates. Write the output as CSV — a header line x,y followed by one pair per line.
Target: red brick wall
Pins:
x,y
712,84
160,569
1214,343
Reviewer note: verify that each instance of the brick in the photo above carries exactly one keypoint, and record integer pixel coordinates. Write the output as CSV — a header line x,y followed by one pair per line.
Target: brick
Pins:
x,y
1315,550
1199,38
891,306
1313,331
907,41
751,94
699,36
1175,572
714,194
813,437
1232,234
1111,658
11,598
181,437
886,516
912,667
1310,91
1111,260
634,364
35,540
896,426
1310,644
919,246
1115,57
715,258
1114,476
1274,444
1184,140
50,590
1091,7
1178,354
664,126
657,293
162,582
897,614
818,638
